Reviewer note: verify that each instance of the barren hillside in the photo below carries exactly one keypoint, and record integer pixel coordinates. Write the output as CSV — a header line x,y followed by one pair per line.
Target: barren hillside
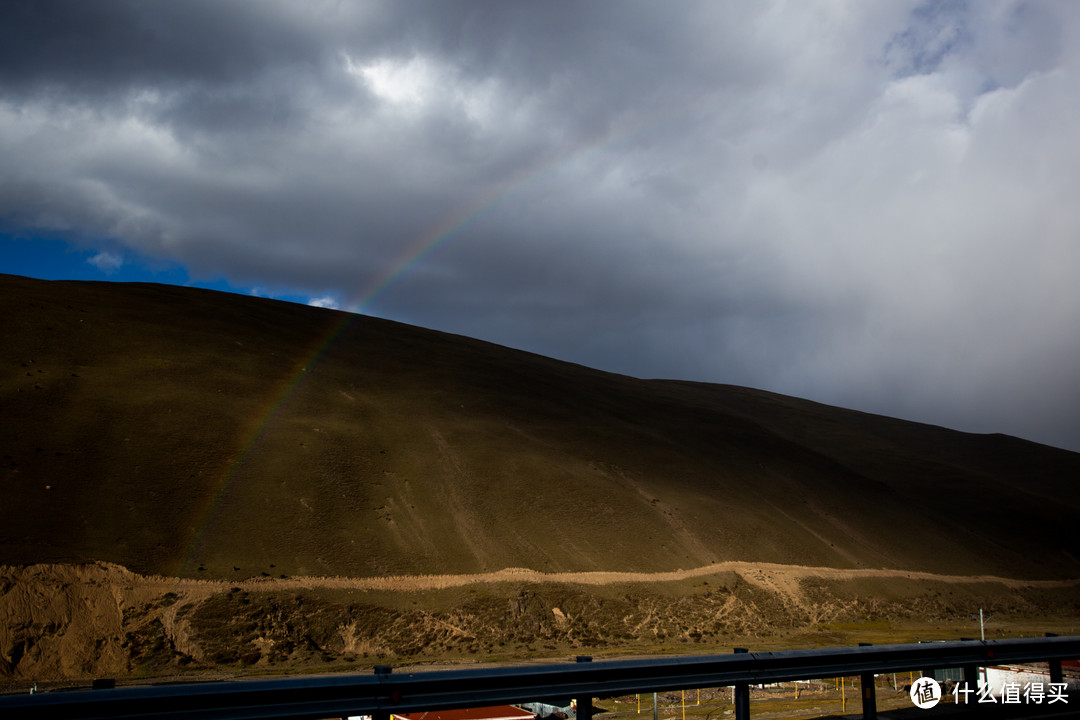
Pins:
x,y
198,434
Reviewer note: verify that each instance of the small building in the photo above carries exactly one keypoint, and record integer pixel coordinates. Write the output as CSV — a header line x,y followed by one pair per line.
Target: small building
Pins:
x,y
496,712
997,676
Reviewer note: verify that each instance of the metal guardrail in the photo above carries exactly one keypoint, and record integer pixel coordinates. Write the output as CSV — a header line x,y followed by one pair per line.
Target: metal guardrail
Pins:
x,y
386,692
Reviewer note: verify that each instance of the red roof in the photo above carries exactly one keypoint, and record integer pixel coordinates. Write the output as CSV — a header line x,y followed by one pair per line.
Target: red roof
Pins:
x,y
497,712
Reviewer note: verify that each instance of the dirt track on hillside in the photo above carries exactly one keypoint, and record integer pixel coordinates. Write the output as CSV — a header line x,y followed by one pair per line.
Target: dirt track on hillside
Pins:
x,y
782,579
772,576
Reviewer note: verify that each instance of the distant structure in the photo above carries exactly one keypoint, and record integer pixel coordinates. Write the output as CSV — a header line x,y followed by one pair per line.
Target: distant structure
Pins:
x,y
997,676
496,712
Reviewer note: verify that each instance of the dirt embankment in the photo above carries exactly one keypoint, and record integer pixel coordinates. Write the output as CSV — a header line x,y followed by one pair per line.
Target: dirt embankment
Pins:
x,y
63,622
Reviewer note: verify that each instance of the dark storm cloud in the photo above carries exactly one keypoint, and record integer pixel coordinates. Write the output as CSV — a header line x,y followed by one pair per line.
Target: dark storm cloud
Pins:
x,y
93,48
868,205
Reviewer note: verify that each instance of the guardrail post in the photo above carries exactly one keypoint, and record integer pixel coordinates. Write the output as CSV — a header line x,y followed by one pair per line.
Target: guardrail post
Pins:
x,y
382,670
971,672
869,693
584,704
742,695
1056,676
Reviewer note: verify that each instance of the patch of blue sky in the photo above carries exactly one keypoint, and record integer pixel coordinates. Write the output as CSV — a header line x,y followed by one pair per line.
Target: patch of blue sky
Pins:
x,y
935,30
50,258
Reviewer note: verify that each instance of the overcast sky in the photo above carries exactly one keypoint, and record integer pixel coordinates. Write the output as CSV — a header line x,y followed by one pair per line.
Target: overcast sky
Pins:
x,y
869,204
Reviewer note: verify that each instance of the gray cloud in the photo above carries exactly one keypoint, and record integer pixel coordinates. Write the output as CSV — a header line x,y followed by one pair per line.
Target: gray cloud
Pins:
x,y
865,204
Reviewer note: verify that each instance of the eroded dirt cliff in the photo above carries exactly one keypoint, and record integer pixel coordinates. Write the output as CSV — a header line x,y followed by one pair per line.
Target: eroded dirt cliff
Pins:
x,y
76,622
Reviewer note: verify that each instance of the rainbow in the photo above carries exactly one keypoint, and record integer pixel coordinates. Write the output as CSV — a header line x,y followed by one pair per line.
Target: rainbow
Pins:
x,y
412,257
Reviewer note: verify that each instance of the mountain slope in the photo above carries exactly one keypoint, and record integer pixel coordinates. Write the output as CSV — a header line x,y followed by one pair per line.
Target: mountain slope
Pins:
x,y
209,435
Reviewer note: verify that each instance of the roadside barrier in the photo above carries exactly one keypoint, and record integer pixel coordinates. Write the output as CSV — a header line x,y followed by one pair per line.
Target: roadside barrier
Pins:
x,y
385,692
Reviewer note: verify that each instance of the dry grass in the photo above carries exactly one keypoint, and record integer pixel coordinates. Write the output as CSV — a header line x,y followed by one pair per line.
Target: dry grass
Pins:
x,y
72,622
